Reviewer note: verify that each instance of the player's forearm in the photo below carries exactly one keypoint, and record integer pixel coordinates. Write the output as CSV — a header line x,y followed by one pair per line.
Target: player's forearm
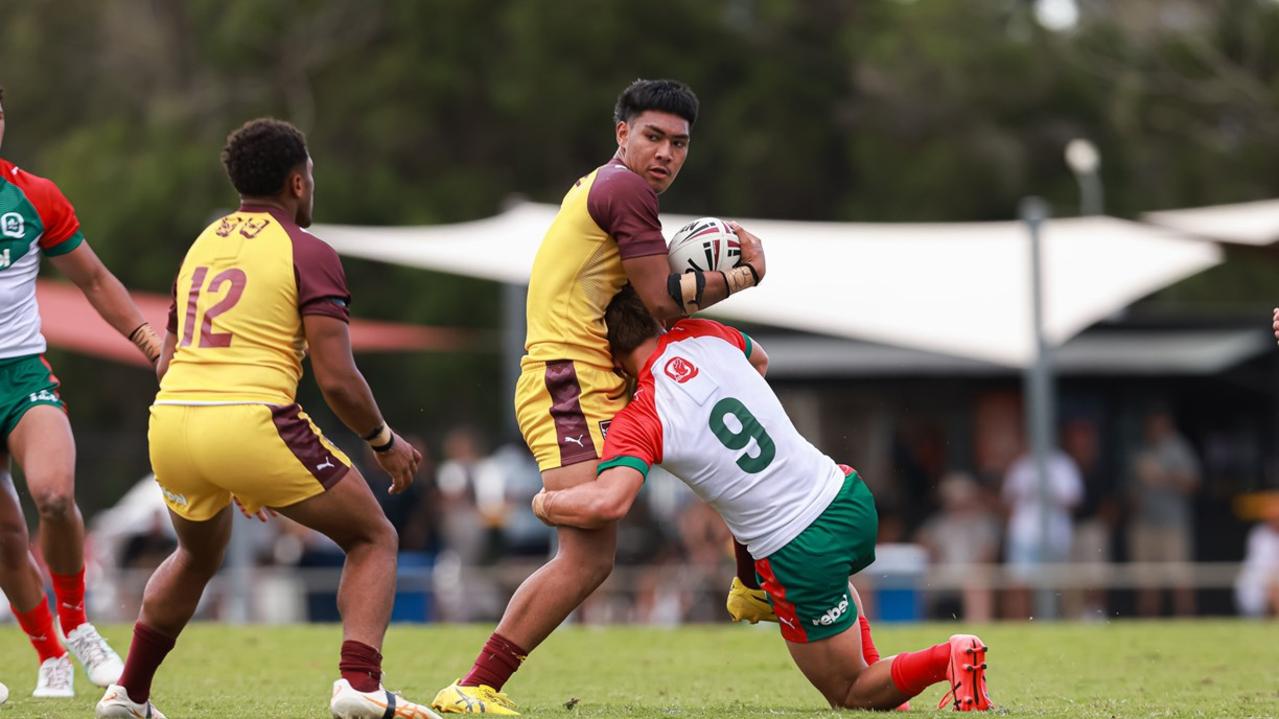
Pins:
x,y
112,301
585,506
696,291
348,395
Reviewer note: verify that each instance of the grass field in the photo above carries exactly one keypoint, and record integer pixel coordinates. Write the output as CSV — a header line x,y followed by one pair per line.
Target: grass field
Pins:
x,y
1101,671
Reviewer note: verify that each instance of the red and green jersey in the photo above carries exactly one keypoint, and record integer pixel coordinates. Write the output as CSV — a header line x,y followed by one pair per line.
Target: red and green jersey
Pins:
x,y
35,218
705,414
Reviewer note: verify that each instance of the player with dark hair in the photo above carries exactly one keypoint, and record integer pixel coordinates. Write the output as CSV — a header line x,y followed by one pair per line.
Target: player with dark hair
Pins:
x,y
254,291
703,410
37,220
606,234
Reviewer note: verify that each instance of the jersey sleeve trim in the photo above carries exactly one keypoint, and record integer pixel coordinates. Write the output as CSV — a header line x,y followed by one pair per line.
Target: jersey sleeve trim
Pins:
x,y
747,339
65,246
634,463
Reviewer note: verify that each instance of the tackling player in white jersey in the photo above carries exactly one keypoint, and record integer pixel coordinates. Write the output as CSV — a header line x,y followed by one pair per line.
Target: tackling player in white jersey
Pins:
x,y
703,411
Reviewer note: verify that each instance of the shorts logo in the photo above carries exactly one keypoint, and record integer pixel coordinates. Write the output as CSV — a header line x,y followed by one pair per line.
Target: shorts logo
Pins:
x,y
43,395
12,225
833,614
604,425
680,369
174,497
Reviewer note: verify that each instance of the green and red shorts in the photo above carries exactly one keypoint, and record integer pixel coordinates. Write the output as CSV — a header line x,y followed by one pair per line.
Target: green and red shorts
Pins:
x,y
807,580
25,382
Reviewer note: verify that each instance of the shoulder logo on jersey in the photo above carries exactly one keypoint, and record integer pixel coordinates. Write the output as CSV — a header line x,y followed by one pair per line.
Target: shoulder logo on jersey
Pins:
x,y
13,237
12,224
680,369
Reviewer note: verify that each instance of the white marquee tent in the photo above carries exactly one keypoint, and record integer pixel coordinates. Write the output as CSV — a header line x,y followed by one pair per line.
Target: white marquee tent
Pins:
x,y
958,289
1245,223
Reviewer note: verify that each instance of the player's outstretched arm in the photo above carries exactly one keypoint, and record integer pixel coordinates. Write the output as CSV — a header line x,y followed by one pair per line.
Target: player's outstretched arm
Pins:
x,y
349,396
593,504
108,297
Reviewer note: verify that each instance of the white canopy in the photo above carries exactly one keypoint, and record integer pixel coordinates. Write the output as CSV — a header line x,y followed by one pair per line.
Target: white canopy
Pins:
x,y
1245,223
960,289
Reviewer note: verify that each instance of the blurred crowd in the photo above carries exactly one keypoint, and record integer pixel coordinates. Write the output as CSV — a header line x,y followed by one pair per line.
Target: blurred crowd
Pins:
x,y
467,539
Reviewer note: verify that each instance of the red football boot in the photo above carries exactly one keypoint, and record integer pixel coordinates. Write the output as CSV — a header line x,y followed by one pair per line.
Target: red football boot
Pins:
x,y
967,675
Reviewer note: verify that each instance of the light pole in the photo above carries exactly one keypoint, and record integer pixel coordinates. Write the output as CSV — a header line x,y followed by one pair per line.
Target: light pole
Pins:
x,y
1040,401
1085,162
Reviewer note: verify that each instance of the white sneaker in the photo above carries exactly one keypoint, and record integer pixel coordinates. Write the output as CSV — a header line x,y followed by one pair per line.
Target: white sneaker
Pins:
x,y
56,678
116,704
347,703
97,657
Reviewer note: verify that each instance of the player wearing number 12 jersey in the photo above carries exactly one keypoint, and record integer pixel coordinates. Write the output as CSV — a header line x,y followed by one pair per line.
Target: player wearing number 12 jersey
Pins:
x,y
703,411
254,291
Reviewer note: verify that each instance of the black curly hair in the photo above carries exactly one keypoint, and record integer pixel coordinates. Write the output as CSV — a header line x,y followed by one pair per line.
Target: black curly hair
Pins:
x,y
259,156
670,96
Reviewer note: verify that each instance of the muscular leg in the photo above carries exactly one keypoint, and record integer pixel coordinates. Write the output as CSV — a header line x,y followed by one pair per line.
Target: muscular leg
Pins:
x,y
20,578
174,590
43,446
350,516
171,596
836,668
582,562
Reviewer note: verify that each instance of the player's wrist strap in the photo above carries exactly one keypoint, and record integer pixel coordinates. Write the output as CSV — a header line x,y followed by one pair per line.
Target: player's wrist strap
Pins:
x,y
145,339
740,278
380,439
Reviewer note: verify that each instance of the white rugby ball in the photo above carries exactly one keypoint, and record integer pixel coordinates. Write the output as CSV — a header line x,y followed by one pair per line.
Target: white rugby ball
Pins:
x,y
4,694
704,245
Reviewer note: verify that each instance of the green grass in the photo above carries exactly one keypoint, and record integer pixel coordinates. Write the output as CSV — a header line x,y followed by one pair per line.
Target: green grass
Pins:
x,y
1101,671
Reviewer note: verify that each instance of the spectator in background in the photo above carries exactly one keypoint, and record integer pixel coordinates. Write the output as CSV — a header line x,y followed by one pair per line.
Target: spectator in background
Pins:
x,y
465,533
1030,544
1257,589
1095,518
965,532
1164,475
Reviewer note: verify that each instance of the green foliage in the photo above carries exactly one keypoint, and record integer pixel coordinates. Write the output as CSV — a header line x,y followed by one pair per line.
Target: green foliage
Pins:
x,y
1098,671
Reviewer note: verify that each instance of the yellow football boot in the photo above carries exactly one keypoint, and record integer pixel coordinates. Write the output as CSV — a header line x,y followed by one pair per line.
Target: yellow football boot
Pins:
x,y
749,605
457,699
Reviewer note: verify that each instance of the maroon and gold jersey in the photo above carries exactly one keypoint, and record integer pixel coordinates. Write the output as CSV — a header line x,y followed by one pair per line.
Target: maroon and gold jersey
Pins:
x,y
607,216
237,309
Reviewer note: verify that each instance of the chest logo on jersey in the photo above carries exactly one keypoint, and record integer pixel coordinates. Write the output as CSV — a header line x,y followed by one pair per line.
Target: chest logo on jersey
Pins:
x,y
680,369
13,238
604,425
13,225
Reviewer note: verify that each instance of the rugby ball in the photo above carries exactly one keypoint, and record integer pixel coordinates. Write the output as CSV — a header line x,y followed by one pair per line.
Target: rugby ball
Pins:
x,y
704,245
4,694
